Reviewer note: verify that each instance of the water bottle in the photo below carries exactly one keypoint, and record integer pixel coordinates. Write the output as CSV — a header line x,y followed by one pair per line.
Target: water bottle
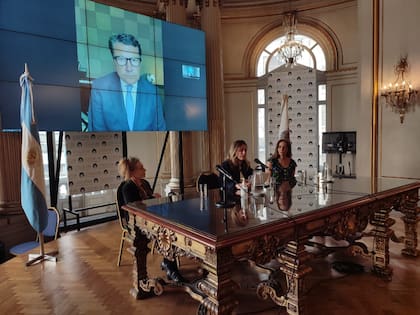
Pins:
x,y
325,171
244,189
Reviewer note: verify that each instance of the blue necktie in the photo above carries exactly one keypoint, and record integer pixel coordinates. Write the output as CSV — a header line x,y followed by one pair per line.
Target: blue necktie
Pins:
x,y
129,106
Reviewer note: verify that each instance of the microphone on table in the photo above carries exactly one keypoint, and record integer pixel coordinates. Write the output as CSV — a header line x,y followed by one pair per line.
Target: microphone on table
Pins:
x,y
224,202
224,172
263,166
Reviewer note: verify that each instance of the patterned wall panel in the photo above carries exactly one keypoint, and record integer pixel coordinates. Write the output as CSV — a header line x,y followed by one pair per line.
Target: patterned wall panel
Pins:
x,y
299,83
92,160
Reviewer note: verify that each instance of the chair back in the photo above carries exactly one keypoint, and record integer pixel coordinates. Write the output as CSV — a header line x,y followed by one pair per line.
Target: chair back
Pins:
x,y
119,202
51,229
209,178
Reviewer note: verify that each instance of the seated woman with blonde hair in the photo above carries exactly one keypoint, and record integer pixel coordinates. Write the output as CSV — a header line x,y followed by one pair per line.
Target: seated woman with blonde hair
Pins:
x,y
136,188
236,165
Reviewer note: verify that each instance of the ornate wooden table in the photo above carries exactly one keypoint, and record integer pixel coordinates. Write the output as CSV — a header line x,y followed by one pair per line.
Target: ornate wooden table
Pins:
x,y
257,229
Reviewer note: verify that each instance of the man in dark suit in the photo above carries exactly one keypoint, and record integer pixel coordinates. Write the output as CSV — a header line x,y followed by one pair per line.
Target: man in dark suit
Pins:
x,y
125,100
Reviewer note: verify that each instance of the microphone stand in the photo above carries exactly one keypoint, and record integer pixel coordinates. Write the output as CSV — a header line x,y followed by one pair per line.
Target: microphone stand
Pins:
x,y
224,203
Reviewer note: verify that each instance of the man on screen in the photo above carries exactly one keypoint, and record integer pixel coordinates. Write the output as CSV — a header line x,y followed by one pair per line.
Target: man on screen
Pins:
x,y
124,99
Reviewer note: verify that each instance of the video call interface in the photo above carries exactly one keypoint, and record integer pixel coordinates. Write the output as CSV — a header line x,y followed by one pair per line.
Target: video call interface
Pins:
x,y
80,84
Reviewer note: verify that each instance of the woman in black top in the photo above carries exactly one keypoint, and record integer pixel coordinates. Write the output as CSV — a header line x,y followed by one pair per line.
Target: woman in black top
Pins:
x,y
281,166
236,164
136,188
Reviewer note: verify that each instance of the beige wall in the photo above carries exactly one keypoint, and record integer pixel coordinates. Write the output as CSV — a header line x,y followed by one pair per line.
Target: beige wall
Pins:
x,y
364,106
399,149
342,22
343,97
147,147
242,114
342,113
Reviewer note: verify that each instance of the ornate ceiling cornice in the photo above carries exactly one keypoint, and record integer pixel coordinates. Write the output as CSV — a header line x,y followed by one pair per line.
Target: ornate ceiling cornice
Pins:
x,y
236,9
290,4
230,9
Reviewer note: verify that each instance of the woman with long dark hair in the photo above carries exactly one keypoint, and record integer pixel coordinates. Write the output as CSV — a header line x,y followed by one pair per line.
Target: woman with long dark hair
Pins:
x,y
281,166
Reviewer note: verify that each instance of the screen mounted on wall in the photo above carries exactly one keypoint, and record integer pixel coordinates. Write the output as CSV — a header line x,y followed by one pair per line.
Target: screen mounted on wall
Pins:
x,y
339,142
101,68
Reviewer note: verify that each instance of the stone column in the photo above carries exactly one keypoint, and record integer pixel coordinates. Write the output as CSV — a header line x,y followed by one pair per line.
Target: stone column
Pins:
x,y
173,184
214,142
176,11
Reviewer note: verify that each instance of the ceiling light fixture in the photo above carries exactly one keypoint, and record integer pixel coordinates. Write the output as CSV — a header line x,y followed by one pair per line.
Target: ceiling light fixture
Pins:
x,y
292,49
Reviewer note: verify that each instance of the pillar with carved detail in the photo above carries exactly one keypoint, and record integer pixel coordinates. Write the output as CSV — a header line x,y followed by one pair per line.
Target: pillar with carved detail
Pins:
x,y
217,285
211,24
411,217
381,233
293,263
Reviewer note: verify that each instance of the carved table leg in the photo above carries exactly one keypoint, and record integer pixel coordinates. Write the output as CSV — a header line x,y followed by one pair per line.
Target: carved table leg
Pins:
x,y
381,233
142,286
410,210
218,285
293,260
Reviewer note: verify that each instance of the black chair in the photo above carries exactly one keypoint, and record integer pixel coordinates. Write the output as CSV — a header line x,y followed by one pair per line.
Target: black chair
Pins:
x,y
122,217
209,178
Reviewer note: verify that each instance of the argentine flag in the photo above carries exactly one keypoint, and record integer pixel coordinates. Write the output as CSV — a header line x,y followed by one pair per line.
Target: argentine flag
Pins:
x,y
32,181
284,132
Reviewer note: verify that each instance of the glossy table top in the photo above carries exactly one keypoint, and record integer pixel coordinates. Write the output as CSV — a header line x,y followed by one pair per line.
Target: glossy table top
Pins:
x,y
270,208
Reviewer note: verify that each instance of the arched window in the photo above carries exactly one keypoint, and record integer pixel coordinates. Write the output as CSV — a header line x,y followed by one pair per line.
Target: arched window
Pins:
x,y
313,56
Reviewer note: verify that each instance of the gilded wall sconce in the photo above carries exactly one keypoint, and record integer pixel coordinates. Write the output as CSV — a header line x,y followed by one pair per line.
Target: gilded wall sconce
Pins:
x,y
400,95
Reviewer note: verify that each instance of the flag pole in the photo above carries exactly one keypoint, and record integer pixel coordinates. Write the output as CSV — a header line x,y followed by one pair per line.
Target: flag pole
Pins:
x,y
32,180
35,258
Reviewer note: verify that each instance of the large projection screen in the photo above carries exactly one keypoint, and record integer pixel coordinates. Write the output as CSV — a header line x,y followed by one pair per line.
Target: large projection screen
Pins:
x,y
79,85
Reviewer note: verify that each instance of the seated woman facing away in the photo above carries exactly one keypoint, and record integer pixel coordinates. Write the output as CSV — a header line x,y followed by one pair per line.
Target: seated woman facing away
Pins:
x,y
136,188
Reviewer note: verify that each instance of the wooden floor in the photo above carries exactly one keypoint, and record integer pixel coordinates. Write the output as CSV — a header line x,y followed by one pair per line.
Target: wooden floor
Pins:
x,y
86,280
